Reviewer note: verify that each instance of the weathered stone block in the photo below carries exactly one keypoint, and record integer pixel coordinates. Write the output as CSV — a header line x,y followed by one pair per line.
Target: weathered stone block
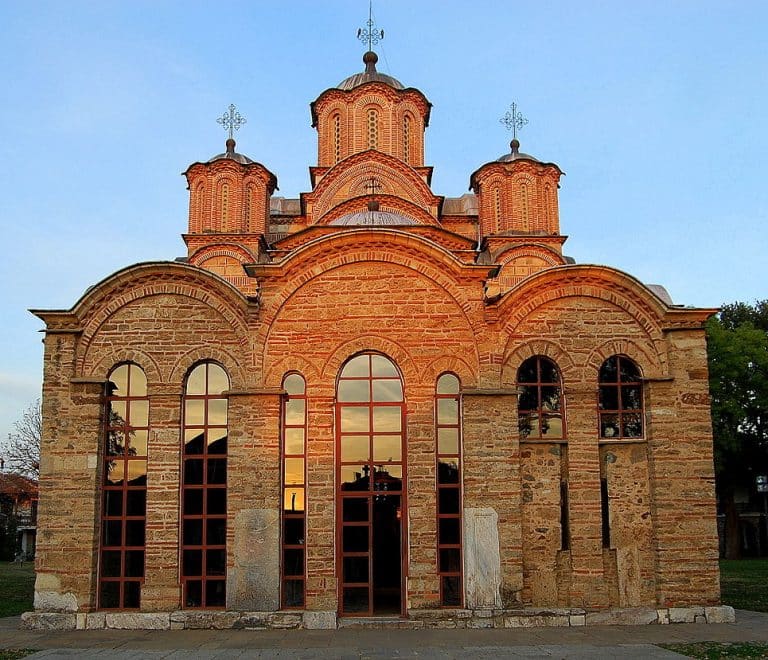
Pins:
x,y
48,621
482,561
319,620
721,614
631,616
684,614
138,620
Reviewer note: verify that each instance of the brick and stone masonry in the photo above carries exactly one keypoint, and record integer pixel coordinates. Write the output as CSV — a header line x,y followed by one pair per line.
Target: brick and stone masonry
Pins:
x,y
572,527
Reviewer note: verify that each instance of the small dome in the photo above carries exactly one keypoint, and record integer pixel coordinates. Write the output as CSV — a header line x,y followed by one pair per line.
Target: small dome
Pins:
x,y
515,154
231,154
369,75
373,218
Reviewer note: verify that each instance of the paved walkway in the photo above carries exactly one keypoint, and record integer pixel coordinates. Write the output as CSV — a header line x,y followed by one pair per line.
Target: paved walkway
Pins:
x,y
591,642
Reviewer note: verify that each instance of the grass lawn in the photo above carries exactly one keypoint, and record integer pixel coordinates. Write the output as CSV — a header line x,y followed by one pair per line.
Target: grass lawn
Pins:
x,y
17,585
717,650
744,583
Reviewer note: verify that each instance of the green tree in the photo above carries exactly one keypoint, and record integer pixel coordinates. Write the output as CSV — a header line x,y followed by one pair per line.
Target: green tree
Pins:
x,y
737,343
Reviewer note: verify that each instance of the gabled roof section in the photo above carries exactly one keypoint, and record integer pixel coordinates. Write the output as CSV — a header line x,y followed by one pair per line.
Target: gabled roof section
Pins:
x,y
348,179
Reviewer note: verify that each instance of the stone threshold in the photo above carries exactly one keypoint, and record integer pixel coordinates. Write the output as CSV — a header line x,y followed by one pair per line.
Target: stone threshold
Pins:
x,y
417,619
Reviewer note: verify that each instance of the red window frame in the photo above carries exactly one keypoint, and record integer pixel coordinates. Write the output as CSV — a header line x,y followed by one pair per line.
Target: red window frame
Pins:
x,y
448,489
123,504
294,523
628,378
203,546
377,473
540,411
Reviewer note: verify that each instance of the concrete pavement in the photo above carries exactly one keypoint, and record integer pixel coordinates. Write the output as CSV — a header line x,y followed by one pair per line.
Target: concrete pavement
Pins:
x,y
576,642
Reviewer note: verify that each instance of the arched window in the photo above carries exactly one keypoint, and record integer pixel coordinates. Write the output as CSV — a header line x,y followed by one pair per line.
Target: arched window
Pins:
x,y
247,207
620,401
539,404
370,436
524,214
448,431
407,138
294,453
224,227
373,129
124,489
497,207
199,206
204,487
336,138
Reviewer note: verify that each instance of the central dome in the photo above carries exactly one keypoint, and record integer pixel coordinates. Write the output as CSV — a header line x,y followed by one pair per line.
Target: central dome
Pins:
x,y
369,75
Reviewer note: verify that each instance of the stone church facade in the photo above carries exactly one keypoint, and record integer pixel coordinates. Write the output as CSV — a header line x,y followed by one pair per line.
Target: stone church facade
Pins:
x,y
374,401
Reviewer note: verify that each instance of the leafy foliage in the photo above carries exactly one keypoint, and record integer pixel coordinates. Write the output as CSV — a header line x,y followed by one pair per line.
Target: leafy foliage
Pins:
x,y
737,341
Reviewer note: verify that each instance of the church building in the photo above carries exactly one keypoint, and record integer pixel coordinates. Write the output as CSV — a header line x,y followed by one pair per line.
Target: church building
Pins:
x,y
374,403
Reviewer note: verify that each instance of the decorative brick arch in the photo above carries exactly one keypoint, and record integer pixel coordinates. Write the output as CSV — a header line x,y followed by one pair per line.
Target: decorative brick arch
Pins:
x,y
394,173
650,363
206,252
291,363
371,343
515,357
101,367
202,354
452,364
600,282
380,245
150,279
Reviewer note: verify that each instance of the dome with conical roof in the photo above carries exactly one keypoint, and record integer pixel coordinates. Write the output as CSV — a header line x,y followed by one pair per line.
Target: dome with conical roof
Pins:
x,y
515,154
369,75
231,154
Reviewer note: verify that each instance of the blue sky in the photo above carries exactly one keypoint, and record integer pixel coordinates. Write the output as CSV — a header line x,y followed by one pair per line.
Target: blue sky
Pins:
x,y
654,110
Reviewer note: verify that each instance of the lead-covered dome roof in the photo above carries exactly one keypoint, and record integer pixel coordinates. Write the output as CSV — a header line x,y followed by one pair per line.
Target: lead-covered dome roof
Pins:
x,y
369,75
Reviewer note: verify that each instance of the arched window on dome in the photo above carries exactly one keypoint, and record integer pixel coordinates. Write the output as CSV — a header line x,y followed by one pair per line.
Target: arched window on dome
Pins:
x,y
373,128
124,489
248,206
294,454
540,410
497,208
407,138
224,207
620,400
448,456
204,487
336,123
525,221
197,210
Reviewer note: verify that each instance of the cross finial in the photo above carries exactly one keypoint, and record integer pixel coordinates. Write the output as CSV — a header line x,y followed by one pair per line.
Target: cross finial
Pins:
x,y
231,121
370,34
513,120
372,185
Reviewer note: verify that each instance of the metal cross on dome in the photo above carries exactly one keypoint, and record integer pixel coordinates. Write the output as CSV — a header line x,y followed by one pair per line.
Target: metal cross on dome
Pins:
x,y
370,34
232,120
513,120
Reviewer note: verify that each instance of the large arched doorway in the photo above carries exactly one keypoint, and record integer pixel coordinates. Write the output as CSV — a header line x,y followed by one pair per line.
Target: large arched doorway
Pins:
x,y
370,451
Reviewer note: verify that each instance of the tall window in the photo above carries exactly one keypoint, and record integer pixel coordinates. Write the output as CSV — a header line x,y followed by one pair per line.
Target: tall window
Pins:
x,y
124,489
524,216
620,401
497,207
448,423
224,208
336,138
294,451
370,423
249,190
407,138
204,487
373,129
539,404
